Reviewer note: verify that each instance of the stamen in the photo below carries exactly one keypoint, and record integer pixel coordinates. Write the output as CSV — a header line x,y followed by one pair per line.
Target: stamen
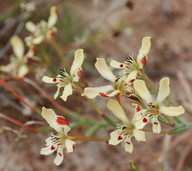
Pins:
x,y
62,72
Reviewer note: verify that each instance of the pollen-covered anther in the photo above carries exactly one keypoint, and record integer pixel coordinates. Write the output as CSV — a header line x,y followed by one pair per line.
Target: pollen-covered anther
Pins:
x,y
62,121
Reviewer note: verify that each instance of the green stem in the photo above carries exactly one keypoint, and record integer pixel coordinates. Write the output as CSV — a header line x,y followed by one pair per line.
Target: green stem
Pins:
x,y
95,107
46,59
59,53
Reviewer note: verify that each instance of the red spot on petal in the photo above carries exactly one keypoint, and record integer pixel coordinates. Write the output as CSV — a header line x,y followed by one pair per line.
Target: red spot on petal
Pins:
x,y
125,134
145,120
156,123
104,95
54,79
144,60
121,65
128,143
80,73
52,33
138,109
73,146
52,147
120,138
59,144
150,116
131,81
60,154
62,121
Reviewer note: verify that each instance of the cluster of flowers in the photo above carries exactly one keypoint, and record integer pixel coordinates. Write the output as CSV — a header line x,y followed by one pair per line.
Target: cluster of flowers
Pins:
x,y
38,33
130,83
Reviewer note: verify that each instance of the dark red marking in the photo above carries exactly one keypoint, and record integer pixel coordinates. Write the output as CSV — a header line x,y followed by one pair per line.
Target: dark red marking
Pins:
x,y
144,60
120,138
62,121
121,65
156,123
54,79
73,146
145,120
104,95
128,143
138,109
52,147
52,33
80,73
60,154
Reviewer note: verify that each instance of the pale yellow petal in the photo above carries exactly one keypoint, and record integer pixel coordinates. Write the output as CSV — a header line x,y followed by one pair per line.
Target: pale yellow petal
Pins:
x,y
164,90
142,90
117,110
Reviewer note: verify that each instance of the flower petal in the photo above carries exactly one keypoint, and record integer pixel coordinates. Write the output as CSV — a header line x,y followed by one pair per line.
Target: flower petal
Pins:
x,y
128,145
172,111
104,70
93,92
139,135
53,17
59,158
17,46
30,26
38,39
55,121
58,90
78,61
164,90
115,137
49,79
117,110
142,90
117,65
156,125
139,124
144,50
131,77
67,92
47,150
23,70
69,145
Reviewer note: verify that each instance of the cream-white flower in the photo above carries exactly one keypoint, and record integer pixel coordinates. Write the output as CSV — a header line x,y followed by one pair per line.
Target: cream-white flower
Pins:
x,y
130,65
155,107
61,139
119,85
126,130
42,30
65,80
18,64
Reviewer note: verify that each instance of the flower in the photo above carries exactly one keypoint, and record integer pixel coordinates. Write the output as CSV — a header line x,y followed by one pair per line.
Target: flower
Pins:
x,y
42,30
155,107
61,139
126,130
65,80
130,65
119,85
18,66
